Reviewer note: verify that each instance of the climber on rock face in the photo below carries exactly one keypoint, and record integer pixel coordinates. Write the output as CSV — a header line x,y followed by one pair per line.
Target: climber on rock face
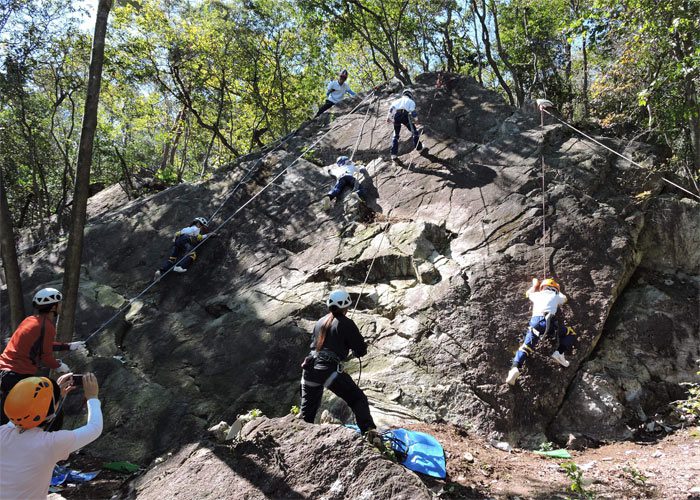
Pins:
x,y
403,112
346,173
333,337
185,240
335,92
546,299
32,345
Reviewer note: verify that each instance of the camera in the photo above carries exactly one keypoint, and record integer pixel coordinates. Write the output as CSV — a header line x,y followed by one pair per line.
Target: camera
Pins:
x,y
77,380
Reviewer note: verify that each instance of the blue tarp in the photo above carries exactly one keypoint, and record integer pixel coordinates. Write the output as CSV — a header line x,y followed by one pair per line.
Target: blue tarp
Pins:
x,y
64,475
424,453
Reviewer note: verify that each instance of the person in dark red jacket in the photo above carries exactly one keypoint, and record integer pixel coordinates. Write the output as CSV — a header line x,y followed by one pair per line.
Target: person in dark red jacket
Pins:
x,y
32,344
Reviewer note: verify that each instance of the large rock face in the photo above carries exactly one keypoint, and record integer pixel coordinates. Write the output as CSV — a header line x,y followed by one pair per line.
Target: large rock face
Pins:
x,y
281,458
447,244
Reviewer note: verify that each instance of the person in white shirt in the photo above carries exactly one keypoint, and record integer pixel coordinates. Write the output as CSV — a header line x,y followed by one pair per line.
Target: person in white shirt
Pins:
x,y
28,453
546,299
335,92
181,254
346,174
403,112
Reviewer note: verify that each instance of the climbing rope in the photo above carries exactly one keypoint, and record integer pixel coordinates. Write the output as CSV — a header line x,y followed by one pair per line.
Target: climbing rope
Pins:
x,y
225,221
396,198
544,202
618,154
362,128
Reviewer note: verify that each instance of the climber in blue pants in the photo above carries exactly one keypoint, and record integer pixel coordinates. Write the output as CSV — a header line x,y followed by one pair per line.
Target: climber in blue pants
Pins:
x,y
346,173
546,299
185,240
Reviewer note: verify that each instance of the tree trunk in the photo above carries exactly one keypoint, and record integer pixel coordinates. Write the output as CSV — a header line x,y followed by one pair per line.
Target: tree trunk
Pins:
x,y
487,49
173,139
585,77
74,251
9,261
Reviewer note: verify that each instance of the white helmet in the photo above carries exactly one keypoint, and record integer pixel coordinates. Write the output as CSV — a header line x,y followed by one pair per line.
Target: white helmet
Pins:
x,y
201,220
342,160
47,296
408,93
340,299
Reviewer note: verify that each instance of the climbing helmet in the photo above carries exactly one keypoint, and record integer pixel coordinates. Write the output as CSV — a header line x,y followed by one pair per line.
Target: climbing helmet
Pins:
x,y
201,220
340,299
408,93
342,160
47,296
343,74
549,283
28,403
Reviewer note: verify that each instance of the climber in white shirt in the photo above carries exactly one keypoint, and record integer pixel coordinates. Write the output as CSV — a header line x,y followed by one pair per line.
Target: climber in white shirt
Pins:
x,y
546,299
346,174
403,112
335,92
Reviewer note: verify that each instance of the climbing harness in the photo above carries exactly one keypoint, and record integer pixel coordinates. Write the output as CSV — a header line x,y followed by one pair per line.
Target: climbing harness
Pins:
x,y
225,221
616,153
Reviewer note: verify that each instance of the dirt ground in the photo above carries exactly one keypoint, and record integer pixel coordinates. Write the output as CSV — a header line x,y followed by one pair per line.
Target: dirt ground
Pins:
x,y
667,467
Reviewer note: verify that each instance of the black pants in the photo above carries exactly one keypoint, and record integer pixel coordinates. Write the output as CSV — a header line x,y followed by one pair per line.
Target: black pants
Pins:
x,y
326,106
9,380
401,118
181,246
342,385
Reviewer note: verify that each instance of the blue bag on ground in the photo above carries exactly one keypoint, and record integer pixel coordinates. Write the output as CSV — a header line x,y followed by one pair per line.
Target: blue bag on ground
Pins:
x,y
423,452
64,475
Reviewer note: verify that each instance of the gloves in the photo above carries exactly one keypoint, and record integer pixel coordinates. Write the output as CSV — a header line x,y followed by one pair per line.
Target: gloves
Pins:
x,y
62,368
78,346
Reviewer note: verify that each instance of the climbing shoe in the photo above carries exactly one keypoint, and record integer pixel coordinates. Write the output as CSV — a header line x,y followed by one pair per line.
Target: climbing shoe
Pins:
x,y
513,375
179,269
559,358
394,157
373,438
419,146
157,275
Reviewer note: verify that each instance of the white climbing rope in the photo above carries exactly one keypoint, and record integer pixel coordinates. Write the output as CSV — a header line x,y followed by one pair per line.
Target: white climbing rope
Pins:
x,y
618,154
396,200
225,221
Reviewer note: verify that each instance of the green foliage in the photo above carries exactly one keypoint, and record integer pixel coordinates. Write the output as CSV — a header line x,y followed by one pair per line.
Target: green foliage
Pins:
x,y
575,475
635,475
295,410
688,409
186,85
255,413
546,446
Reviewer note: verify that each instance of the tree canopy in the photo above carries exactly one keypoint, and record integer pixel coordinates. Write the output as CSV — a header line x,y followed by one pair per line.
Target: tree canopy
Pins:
x,y
188,85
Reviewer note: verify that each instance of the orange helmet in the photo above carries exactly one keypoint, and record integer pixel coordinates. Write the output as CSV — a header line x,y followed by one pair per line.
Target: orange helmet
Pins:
x,y
28,403
549,283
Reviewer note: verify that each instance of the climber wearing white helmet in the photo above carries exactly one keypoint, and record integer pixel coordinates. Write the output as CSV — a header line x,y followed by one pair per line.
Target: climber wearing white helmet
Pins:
x,y
333,337
403,112
335,92
32,344
346,173
185,240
